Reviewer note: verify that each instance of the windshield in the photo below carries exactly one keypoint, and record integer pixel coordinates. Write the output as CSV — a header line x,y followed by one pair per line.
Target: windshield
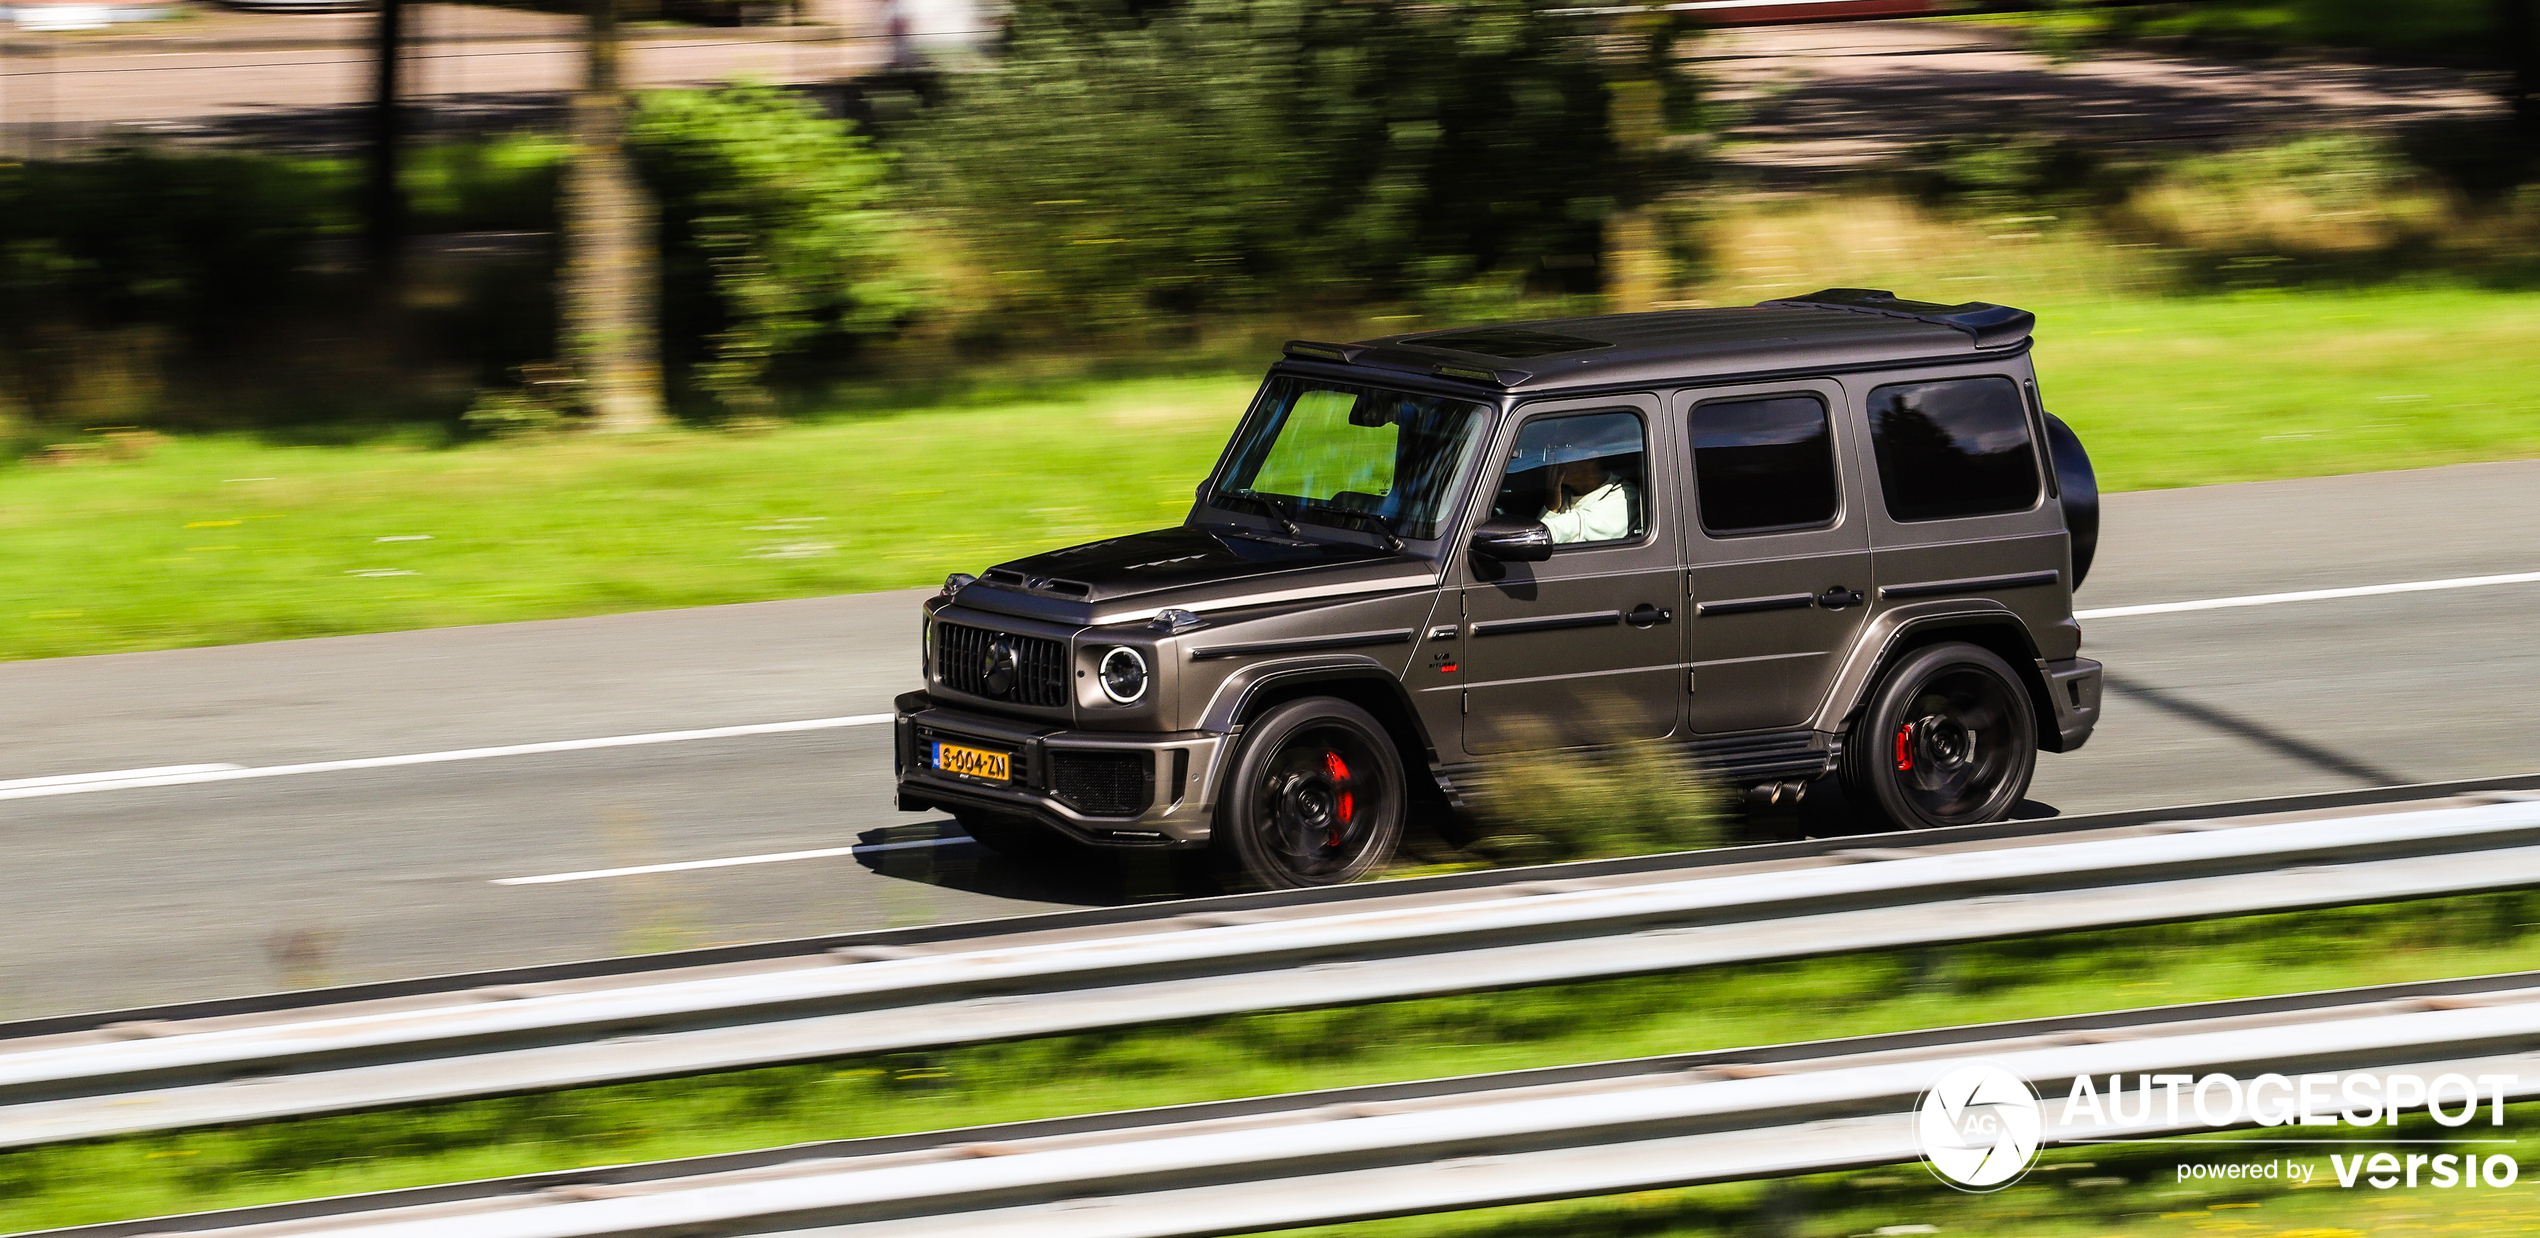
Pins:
x,y
1320,451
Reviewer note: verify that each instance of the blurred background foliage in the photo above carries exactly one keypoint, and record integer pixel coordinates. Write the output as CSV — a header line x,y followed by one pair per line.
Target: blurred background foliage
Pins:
x,y
112,267
1185,181
2443,27
776,237
1119,167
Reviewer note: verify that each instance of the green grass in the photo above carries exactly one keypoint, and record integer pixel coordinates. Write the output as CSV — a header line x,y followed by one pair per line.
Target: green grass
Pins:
x,y
1281,1052
223,540
2296,384
215,541
2132,1191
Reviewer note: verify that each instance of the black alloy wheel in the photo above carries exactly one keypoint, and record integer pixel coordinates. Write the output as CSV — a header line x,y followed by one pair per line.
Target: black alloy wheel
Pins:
x,y
1316,798
1949,738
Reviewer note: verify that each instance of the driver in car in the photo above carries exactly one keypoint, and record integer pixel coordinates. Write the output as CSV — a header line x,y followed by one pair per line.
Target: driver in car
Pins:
x,y
1585,502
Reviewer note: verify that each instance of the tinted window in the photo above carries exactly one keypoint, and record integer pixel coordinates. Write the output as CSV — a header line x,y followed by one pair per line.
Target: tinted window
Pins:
x,y
1957,447
1580,475
1764,464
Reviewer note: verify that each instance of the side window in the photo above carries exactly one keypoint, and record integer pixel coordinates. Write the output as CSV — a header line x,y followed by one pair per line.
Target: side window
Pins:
x,y
1954,447
1762,466
1582,475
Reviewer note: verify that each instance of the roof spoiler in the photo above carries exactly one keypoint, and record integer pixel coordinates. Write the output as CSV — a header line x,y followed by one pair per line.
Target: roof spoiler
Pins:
x,y
1990,326
1317,350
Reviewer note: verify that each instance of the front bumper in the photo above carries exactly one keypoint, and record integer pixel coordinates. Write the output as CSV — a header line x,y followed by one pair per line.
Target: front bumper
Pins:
x,y
2073,686
1102,788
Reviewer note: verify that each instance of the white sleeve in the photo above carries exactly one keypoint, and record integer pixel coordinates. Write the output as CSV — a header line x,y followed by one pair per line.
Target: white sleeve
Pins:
x,y
1568,526
1606,514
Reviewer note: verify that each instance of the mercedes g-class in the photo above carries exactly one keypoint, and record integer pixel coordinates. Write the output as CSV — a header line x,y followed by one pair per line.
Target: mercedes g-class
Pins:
x,y
1833,535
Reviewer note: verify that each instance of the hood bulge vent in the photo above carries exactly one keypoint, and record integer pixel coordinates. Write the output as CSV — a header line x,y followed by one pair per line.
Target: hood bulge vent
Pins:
x,y
1038,584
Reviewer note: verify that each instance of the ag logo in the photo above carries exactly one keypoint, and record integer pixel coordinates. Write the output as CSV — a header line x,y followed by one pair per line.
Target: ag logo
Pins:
x,y
1979,1127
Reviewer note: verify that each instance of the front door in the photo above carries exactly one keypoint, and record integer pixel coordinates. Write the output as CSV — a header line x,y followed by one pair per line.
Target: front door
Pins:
x,y
1585,647
1778,563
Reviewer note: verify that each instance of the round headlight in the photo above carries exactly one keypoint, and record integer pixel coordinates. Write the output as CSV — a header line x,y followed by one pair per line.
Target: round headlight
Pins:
x,y
1124,675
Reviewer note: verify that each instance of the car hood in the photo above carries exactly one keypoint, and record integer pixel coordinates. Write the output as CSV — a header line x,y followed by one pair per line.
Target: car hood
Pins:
x,y
1191,567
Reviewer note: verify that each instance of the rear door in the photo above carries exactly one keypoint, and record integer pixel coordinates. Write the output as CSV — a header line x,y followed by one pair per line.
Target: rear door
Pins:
x,y
1964,518
1778,562
1587,646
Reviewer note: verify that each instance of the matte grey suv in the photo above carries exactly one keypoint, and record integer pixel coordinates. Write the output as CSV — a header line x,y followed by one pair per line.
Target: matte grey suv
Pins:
x,y
1831,535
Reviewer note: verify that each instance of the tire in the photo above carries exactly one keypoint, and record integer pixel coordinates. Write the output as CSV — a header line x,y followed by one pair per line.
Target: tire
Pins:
x,y
2078,483
1949,738
1316,798
1014,839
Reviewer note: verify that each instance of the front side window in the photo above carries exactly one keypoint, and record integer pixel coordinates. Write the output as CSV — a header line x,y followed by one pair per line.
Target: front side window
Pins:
x,y
1321,452
1581,475
1762,466
1953,447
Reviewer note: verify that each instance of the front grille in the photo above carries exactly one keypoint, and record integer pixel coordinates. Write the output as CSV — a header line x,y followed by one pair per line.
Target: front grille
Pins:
x,y
1040,665
1103,784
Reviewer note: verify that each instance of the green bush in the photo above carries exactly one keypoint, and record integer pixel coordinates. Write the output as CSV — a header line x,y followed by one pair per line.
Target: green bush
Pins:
x,y
505,183
775,236
2445,26
1579,804
109,261
1111,169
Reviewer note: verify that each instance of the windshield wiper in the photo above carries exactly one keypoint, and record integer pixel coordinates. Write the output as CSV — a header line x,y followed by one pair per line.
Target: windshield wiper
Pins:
x,y
1270,505
1384,527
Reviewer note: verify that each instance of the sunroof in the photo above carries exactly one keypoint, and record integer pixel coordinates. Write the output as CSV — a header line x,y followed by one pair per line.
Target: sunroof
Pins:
x,y
1508,343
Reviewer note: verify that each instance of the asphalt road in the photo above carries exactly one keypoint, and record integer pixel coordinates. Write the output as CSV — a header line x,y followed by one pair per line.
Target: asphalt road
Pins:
x,y
123,897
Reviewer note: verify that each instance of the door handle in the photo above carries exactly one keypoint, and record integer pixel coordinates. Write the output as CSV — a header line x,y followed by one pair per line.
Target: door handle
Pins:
x,y
1836,597
1648,616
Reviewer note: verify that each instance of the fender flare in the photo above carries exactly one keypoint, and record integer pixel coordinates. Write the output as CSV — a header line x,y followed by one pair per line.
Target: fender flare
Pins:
x,y
1239,696
1904,626
1236,696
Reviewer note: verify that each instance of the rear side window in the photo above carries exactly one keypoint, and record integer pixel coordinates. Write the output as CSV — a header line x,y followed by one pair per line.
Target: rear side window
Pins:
x,y
1764,465
1951,448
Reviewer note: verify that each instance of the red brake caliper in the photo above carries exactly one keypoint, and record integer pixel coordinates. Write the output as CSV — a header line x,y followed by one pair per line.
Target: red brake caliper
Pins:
x,y
1348,803
1905,746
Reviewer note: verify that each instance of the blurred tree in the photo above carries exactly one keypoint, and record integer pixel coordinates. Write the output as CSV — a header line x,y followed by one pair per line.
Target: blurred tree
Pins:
x,y
609,283
1126,162
384,214
774,234
1638,50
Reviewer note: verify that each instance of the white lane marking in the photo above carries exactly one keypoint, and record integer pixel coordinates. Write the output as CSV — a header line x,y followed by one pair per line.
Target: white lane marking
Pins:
x,y
684,865
74,784
2311,595
179,775
114,775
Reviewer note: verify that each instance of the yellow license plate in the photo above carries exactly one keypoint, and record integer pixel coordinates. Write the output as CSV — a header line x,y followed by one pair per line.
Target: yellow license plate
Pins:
x,y
975,762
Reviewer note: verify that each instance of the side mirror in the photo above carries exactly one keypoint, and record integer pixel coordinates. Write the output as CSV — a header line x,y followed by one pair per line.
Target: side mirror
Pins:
x,y
1513,541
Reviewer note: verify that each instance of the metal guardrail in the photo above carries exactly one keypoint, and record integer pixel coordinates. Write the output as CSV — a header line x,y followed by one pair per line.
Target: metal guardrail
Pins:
x,y
1446,1144
152,1075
